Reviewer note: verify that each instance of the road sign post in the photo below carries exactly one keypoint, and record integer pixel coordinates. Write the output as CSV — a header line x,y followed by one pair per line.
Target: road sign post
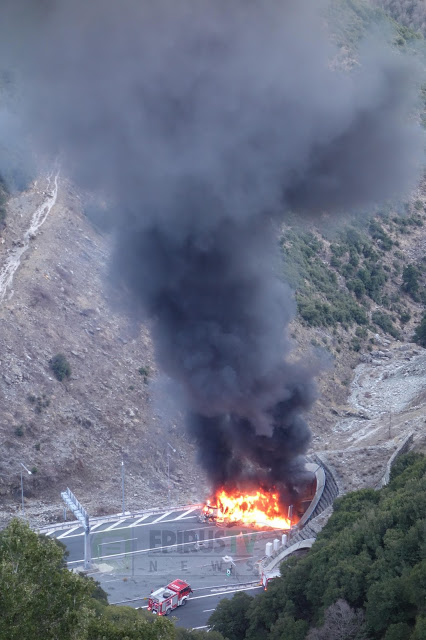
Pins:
x,y
83,517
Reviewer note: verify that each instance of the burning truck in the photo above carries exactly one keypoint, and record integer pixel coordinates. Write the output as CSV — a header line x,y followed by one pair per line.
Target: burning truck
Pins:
x,y
257,509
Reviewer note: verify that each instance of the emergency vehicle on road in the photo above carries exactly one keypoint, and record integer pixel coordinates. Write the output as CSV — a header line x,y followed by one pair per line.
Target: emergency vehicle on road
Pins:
x,y
164,600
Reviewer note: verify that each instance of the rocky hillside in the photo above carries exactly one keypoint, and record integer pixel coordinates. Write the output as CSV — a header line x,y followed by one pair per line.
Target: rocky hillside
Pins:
x,y
54,298
360,291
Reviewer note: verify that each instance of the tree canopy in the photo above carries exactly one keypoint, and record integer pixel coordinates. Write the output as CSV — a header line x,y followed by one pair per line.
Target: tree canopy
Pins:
x,y
40,599
366,572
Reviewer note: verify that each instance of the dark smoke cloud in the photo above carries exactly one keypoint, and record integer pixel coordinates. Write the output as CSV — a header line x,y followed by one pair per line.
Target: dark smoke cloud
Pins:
x,y
203,122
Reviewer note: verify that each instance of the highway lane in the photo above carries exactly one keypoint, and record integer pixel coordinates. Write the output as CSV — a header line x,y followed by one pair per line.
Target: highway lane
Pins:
x,y
134,555
201,605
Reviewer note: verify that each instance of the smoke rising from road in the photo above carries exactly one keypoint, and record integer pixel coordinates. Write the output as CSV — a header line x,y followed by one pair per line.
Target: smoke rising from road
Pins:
x,y
203,122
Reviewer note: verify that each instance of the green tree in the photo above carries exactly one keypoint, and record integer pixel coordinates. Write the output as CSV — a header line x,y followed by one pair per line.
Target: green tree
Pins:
x,y
420,332
410,280
39,598
125,623
230,616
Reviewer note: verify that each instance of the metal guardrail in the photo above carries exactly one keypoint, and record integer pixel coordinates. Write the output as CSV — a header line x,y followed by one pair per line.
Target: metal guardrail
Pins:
x,y
117,516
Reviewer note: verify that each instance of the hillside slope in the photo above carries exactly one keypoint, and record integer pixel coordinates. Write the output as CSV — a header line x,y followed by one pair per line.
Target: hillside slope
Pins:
x,y
73,433
358,309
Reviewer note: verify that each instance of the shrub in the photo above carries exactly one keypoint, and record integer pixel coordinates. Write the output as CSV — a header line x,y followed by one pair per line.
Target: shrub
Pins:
x,y
60,366
144,371
420,333
384,321
41,402
378,233
19,431
410,280
356,345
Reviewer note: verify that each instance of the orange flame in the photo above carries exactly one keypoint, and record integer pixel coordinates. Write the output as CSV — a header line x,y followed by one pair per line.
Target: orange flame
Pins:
x,y
256,509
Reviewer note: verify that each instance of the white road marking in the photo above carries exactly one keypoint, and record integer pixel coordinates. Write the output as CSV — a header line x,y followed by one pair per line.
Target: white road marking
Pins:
x,y
212,595
187,513
195,628
68,532
115,525
114,580
95,526
116,541
143,524
169,546
135,524
161,517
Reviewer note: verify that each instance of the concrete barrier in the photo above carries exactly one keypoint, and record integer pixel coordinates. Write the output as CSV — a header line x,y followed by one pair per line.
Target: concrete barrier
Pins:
x,y
272,569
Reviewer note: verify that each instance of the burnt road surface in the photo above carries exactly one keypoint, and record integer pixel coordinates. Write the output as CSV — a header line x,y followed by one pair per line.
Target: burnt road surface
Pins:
x,y
133,555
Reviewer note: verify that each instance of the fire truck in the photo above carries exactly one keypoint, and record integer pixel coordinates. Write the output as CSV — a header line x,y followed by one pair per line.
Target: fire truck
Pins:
x,y
164,600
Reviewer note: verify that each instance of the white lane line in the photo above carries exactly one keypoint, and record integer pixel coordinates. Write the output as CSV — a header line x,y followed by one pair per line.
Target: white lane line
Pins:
x,y
208,610
144,524
168,546
222,593
210,595
186,513
134,524
161,517
68,532
195,628
115,525
114,580
95,526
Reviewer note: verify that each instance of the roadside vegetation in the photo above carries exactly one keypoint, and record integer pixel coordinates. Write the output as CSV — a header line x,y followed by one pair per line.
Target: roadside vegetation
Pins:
x,y
410,13
360,277
41,599
364,578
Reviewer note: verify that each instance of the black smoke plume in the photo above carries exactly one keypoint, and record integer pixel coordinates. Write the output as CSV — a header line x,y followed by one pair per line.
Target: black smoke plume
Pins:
x,y
202,122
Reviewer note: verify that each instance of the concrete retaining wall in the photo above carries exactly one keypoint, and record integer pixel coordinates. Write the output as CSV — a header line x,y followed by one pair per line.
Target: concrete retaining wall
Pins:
x,y
320,478
403,448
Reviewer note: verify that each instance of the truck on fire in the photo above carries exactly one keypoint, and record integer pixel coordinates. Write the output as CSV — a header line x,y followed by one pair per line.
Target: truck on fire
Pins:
x,y
164,600
209,513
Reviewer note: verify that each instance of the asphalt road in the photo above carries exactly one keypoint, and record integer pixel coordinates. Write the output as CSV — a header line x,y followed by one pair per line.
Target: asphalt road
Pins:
x,y
133,556
201,605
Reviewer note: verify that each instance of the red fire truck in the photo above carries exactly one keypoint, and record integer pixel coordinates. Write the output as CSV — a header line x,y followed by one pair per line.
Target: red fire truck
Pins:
x,y
168,598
